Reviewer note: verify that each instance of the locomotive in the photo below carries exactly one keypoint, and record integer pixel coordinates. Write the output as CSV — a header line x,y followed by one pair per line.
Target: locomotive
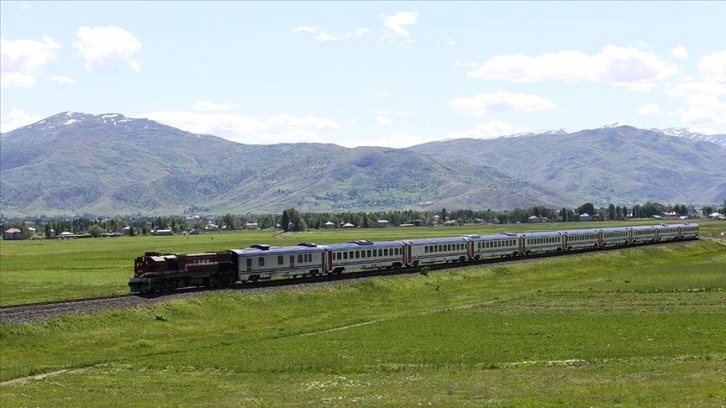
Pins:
x,y
155,272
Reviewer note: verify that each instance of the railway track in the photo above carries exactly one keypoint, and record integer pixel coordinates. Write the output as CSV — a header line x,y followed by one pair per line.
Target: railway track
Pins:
x,y
36,312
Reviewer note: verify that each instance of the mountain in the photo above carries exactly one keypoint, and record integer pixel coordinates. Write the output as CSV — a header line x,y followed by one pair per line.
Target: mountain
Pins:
x,y
74,163
688,134
614,164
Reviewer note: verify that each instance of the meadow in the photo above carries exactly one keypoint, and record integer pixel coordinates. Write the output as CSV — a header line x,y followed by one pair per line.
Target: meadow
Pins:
x,y
636,327
44,270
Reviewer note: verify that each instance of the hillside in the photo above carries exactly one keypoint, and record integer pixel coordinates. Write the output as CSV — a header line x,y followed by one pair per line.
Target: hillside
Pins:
x,y
74,163
610,165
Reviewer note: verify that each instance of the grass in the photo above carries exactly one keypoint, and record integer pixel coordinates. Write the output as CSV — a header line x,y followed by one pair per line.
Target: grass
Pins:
x,y
36,271
639,327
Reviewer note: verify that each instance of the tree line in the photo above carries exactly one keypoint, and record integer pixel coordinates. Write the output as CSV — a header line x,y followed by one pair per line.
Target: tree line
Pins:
x,y
293,220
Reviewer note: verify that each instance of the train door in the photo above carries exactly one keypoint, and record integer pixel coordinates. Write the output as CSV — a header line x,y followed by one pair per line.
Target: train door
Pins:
x,y
292,261
249,264
330,261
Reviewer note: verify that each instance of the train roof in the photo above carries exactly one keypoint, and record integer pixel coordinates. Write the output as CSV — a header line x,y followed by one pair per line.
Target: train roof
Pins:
x,y
545,234
439,240
581,231
497,237
363,244
259,251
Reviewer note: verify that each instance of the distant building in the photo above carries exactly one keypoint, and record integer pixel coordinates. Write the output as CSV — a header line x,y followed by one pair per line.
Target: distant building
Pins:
x,y
164,232
329,225
13,233
251,226
348,225
534,218
383,223
585,217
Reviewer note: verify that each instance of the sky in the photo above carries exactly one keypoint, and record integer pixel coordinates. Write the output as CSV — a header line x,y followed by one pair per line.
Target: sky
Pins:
x,y
392,74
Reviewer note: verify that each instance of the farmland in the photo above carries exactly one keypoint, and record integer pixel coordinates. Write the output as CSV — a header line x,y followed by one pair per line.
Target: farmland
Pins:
x,y
637,327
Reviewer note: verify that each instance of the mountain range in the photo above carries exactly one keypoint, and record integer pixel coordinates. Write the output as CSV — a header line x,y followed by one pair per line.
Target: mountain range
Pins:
x,y
74,163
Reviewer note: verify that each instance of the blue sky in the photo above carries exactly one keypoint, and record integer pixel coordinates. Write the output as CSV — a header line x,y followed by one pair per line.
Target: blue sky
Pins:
x,y
368,73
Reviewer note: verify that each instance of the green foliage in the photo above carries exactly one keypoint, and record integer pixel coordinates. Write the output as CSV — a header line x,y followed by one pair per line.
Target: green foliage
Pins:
x,y
549,332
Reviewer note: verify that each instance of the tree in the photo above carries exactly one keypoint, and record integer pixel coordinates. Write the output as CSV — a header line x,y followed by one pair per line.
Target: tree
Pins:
x,y
95,230
443,215
588,208
285,223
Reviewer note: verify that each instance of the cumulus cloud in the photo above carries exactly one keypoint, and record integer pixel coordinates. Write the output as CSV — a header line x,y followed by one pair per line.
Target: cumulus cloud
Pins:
x,y
22,60
324,36
395,25
705,99
17,118
448,41
305,29
106,48
631,67
489,130
64,80
649,109
205,106
680,53
500,102
383,121
249,129
713,67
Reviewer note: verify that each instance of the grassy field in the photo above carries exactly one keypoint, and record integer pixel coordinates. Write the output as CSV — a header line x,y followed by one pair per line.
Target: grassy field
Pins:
x,y
637,327
36,271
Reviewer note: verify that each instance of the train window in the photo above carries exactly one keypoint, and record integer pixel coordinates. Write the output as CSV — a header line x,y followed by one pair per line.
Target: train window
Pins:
x,y
426,249
357,254
398,251
299,258
280,260
350,255
261,261
249,262
385,252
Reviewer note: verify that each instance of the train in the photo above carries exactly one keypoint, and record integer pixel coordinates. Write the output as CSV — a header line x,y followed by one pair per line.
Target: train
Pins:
x,y
157,272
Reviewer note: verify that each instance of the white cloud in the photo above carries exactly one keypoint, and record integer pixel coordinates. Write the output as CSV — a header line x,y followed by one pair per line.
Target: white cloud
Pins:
x,y
383,121
63,80
705,103
488,130
649,109
17,118
21,60
705,99
631,67
324,36
680,53
105,48
205,106
248,129
448,41
713,67
395,24
305,29
499,102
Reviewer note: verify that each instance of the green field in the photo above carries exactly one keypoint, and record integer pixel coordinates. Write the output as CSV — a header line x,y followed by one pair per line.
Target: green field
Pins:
x,y
42,270
636,327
